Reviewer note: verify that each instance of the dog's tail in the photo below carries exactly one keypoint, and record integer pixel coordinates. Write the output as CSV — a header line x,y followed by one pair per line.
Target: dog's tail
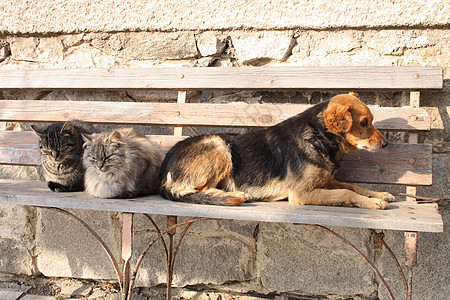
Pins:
x,y
209,196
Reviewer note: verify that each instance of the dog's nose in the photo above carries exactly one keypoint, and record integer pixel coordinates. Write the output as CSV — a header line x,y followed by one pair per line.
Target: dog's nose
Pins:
x,y
384,143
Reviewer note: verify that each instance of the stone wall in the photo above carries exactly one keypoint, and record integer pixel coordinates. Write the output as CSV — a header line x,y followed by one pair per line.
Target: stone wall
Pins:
x,y
227,258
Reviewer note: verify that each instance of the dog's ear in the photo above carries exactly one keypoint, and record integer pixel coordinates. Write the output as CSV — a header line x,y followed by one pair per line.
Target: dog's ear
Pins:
x,y
338,118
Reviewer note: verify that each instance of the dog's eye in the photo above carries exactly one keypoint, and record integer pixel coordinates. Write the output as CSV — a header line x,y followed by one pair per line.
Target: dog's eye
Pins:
x,y
364,123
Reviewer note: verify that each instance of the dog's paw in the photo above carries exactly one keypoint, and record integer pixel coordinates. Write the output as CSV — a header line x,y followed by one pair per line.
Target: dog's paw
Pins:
x,y
385,196
237,198
376,203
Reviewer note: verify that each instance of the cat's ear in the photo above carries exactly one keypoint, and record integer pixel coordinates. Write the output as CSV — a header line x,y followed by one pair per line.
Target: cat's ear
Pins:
x,y
87,139
38,129
116,137
68,128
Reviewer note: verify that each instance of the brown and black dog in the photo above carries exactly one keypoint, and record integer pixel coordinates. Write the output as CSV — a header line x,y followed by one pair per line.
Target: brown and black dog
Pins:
x,y
295,160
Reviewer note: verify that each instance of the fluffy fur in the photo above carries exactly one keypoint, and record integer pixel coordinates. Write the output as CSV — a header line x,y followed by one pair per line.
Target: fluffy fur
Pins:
x,y
121,164
61,147
293,160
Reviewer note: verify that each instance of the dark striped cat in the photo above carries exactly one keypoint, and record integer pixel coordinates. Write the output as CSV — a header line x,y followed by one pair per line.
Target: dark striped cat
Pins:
x,y
121,164
61,147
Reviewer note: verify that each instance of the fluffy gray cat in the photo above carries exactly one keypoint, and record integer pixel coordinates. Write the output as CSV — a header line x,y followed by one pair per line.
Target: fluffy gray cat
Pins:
x,y
121,164
61,147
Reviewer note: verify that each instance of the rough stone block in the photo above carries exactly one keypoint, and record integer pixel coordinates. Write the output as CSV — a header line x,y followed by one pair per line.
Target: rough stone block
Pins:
x,y
210,43
208,254
430,275
44,50
16,240
65,249
317,43
362,58
310,261
262,45
156,45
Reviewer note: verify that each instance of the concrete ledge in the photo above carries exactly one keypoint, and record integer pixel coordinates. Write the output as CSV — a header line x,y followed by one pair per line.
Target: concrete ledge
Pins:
x,y
71,16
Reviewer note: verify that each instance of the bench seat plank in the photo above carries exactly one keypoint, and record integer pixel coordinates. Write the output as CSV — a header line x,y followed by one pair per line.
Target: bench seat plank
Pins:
x,y
407,216
282,77
396,164
195,114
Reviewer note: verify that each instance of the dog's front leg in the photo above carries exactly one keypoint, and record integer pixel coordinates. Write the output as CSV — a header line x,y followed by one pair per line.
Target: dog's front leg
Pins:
x,y
362,191
336,197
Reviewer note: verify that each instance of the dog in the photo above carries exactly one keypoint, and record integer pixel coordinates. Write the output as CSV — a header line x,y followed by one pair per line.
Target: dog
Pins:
x,y
295,159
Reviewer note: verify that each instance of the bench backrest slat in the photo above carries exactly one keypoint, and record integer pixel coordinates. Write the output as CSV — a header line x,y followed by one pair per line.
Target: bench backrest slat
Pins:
x,y
399,164
246,78
190,114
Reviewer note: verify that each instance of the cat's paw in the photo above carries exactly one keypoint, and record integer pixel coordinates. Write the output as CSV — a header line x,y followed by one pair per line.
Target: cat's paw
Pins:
x,y
56,187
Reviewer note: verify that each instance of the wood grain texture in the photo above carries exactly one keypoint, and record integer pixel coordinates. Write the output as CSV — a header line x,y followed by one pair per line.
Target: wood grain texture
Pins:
x,y
190,114
404,216
262,78
10,295
396,164
21,147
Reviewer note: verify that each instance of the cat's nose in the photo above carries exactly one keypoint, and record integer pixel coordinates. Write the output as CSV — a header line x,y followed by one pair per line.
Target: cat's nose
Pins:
x,y
55,154
100,165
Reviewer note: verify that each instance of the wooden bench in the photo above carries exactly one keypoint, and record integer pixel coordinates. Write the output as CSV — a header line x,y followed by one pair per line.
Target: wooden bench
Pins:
x,y
408,164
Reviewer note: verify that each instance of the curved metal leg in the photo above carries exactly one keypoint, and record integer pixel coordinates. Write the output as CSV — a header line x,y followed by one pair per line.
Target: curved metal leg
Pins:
x,y
170,229
98,239
365,258
391,253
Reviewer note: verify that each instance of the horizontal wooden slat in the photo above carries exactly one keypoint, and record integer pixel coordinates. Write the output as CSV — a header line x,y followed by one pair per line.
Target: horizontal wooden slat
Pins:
x,y
21,147
263,78
405,216
190,114
396,164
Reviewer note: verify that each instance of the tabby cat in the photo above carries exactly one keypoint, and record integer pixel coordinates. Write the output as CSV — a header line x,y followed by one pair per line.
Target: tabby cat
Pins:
x,y
121,164
61,147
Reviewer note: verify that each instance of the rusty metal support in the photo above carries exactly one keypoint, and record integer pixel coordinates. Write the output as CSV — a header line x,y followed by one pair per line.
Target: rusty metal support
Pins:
x,y
98,239
127,251
170,253
155,239
365,258
410,259
171,221
127,279
399,267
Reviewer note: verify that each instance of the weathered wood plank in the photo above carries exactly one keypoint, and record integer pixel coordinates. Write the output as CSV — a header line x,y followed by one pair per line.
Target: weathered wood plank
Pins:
x,y
396,164
37,297
21,147
190,114
263,78
404,216
10,295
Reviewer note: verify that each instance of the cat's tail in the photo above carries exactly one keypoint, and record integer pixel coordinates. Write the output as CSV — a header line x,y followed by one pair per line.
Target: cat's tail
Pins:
x,y
209,196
